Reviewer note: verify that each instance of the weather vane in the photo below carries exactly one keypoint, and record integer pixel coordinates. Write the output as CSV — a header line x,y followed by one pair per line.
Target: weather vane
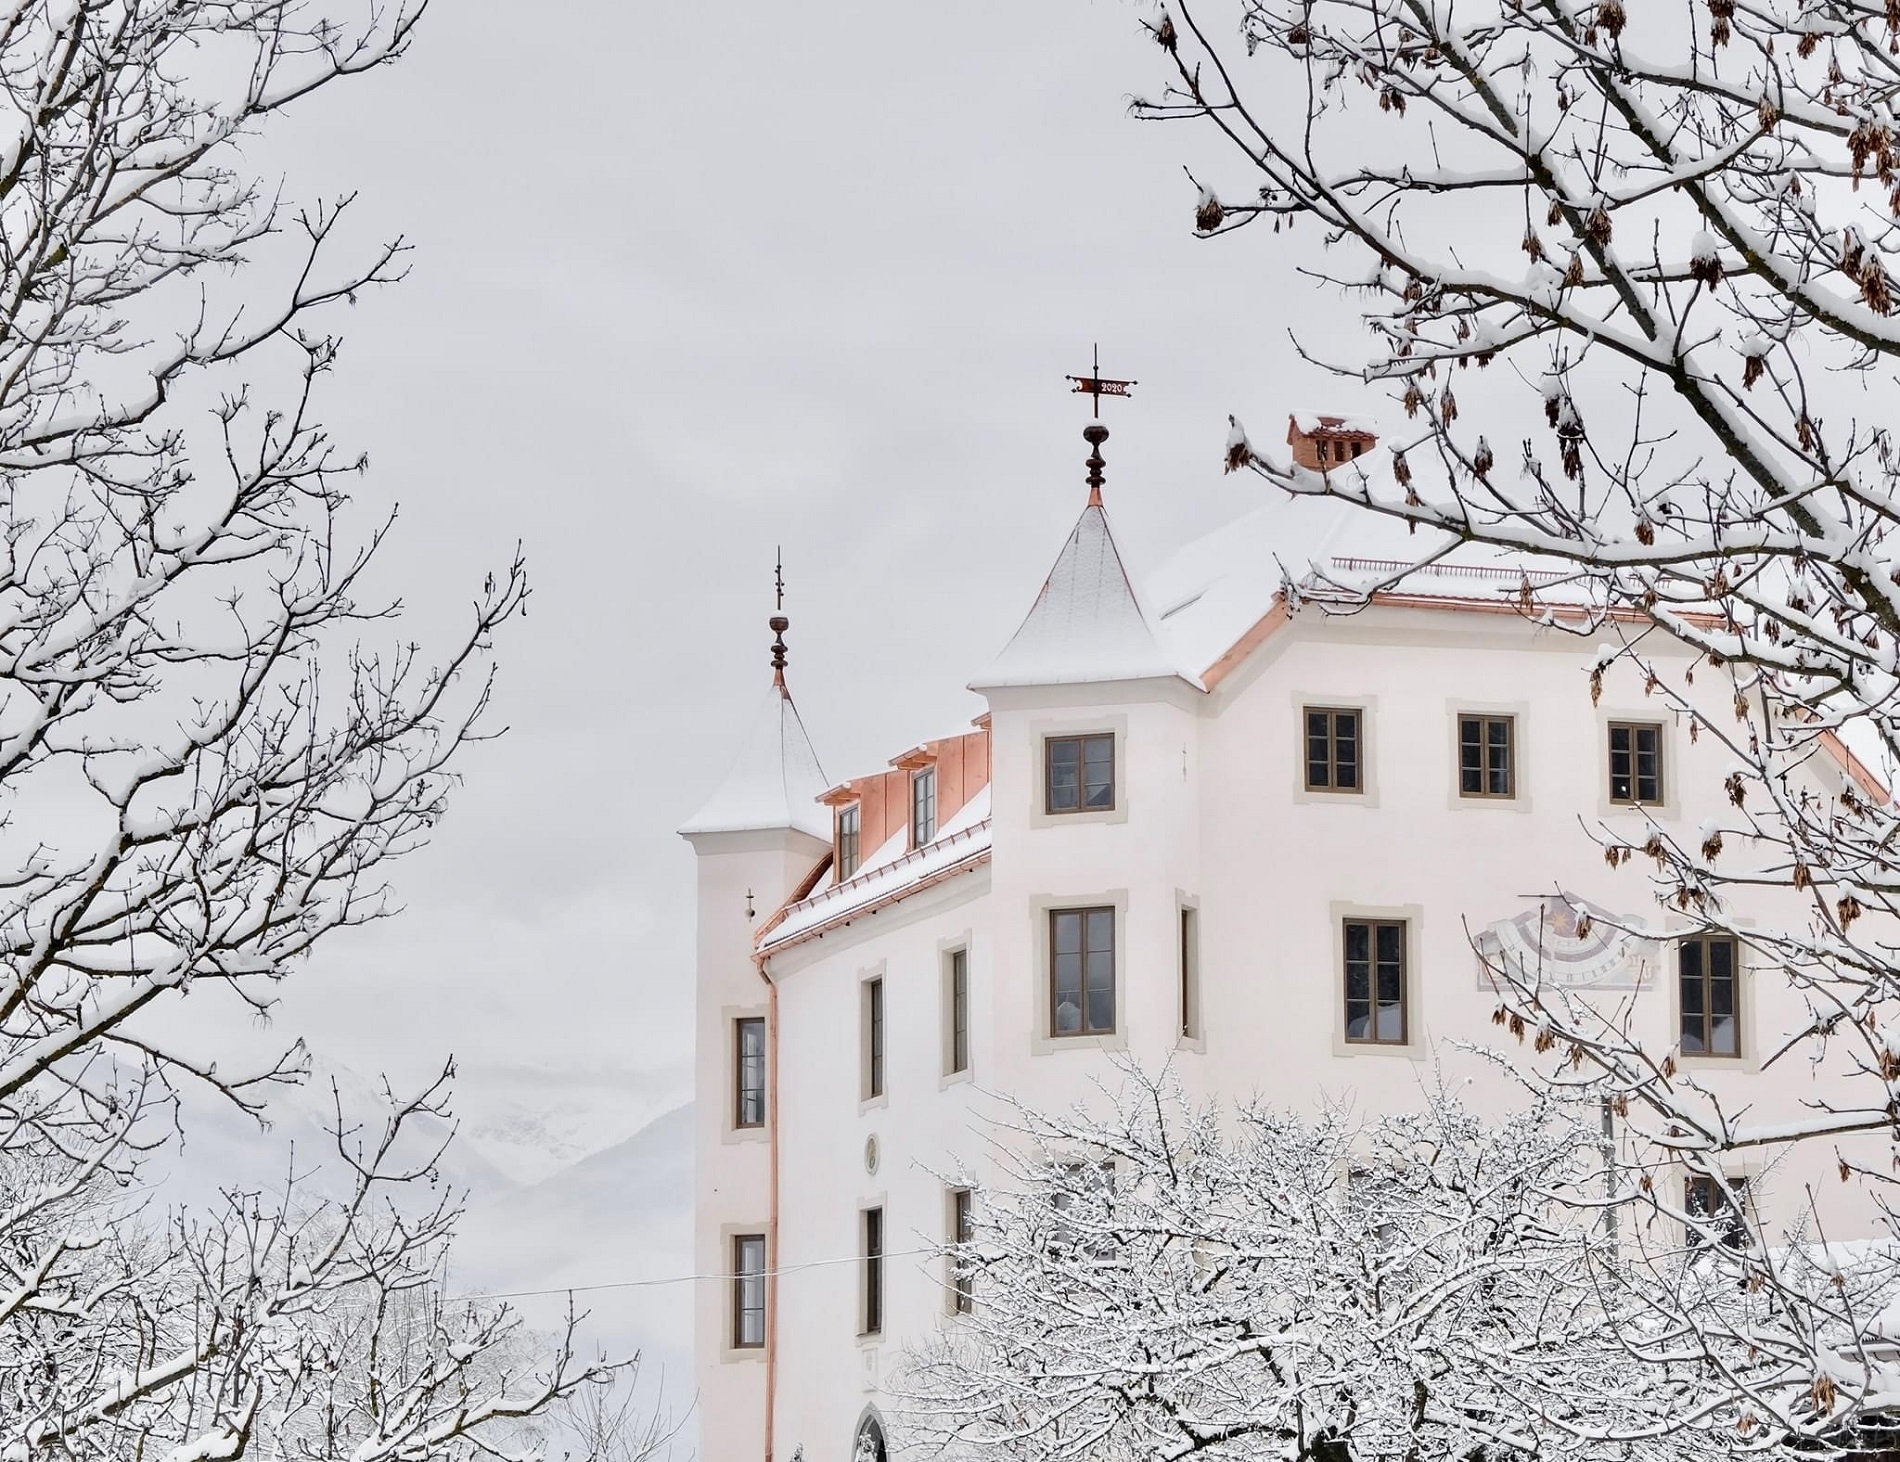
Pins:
x,y
1097,385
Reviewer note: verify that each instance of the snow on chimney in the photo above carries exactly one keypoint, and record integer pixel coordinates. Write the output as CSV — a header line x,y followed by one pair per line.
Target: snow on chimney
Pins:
x,y
1321,442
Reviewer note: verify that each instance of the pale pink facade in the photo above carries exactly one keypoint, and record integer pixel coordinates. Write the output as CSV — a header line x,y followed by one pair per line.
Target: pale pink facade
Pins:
x,y
1202,681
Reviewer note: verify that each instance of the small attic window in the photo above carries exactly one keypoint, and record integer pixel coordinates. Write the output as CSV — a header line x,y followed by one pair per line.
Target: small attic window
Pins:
x,y
923,806
848,840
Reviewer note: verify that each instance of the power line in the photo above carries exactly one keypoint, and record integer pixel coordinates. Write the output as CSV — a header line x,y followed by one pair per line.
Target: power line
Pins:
x,y
559,1289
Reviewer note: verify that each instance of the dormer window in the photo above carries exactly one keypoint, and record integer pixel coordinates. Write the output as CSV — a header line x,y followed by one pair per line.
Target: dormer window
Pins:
x,y
923,806
848,839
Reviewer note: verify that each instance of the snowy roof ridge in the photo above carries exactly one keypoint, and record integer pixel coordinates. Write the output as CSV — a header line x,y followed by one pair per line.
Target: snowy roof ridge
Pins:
x,y
1089,623
775,781
872,889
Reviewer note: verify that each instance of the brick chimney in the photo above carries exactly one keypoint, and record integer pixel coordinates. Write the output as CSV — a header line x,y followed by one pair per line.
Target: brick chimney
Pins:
x,y
1320,443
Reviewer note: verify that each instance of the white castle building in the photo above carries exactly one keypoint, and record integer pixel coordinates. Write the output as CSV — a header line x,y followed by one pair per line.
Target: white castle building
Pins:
x,y
1193,825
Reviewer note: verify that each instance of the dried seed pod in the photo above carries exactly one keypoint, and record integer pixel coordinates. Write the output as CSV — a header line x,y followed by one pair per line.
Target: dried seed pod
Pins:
x,y
1239,452
1164,33
1597,226
1533,245
1482,460
1611,17
1208,214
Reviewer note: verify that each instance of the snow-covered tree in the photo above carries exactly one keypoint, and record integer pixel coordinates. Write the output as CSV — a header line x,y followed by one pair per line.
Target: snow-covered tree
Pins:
x,y
205,766
1159,1280
1627,274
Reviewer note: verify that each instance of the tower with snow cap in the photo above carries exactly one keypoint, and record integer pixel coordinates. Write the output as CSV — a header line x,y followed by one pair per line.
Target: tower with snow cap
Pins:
x,y
756,841
1090,672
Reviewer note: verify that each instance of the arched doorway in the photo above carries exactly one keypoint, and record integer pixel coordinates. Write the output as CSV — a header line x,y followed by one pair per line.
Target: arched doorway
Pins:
x,y
869,1446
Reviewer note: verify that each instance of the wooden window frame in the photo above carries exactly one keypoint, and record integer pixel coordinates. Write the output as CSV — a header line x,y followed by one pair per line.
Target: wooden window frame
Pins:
x,y
957,976
1081,742
740,1027
1332,714
871,1257
923,806
1703,1199
1706,979
873,1038
1373,925
962,1231
1099,1177
741,1276
1190,955
848,843
1635,799
1485,720
1085,913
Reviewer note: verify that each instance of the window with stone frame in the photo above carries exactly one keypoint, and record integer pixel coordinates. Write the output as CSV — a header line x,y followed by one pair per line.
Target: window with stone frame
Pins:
x,y
1078,773
1709,995
1487,755
1376,982
1636,763
1334,749
748,1291
1082,972
1723,1214
748,1060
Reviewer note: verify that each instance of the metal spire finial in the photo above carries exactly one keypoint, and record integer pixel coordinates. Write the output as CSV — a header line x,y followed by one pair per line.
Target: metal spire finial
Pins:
x,y
779,624
1097,385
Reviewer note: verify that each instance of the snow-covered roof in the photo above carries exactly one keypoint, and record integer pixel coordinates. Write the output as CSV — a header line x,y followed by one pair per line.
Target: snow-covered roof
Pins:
x,y
1211,592
1088,624
775,783
960,846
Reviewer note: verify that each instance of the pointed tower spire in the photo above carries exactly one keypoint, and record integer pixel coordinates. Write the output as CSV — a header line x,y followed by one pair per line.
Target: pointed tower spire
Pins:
x,y
779,624
776,780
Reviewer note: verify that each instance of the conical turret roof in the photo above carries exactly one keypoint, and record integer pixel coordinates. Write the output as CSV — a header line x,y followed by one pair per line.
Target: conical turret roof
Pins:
x,y
776,781
1088,623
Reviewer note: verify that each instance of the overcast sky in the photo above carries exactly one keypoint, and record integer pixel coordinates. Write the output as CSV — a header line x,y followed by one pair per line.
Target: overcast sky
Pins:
x,y
692,281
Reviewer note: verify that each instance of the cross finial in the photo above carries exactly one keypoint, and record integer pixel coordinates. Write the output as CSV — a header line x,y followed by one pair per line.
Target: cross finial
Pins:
x,y
1097,385
779,623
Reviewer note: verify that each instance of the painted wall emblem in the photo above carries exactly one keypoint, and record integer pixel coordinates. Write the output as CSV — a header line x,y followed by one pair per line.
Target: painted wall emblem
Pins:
x,y
1567,941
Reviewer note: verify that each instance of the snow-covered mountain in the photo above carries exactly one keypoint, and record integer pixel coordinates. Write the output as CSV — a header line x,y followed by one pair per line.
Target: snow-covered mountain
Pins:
x,y
605,1217
621,1217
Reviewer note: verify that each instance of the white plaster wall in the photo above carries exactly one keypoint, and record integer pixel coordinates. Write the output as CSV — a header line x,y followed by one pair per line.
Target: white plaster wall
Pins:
x,y
1278,875
827,1372
730,1167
